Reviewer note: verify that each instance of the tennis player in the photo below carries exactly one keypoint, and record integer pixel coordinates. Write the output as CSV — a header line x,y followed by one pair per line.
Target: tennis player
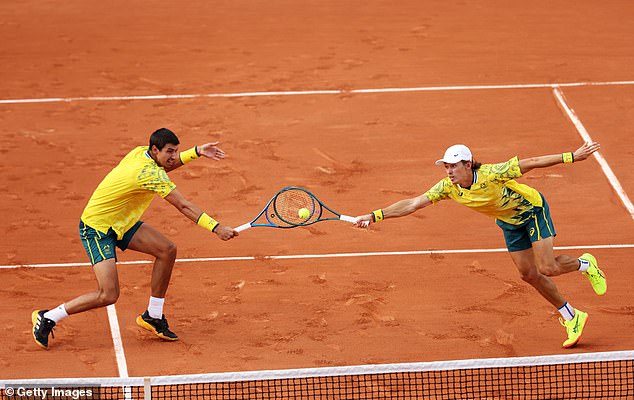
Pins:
x,y
521,212
112,219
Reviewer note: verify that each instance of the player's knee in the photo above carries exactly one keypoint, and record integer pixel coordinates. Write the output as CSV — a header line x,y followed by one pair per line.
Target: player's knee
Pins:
x,y
168,251
531,277
171,250
108,296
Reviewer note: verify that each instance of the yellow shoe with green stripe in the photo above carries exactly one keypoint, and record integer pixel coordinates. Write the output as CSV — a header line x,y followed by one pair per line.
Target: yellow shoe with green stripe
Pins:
x,y
574,328
595,275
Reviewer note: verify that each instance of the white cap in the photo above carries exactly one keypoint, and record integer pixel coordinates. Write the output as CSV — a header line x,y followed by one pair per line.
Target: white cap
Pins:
x,y
455,153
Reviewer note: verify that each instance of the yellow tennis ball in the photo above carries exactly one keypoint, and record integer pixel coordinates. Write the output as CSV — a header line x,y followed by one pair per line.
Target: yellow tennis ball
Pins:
x,y
303,213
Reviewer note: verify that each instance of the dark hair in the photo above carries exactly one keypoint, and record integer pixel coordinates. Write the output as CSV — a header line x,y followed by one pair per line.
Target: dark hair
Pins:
x,y
161,137
474,164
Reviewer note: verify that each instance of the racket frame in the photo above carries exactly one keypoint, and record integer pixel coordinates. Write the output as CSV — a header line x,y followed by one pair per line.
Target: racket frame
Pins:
x,y
320,206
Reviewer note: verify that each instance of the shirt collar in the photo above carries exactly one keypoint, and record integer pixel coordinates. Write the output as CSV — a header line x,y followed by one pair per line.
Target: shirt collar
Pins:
x,y
475,180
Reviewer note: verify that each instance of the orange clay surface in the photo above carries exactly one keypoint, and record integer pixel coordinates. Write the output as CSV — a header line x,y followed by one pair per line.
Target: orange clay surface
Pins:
x,y
357,152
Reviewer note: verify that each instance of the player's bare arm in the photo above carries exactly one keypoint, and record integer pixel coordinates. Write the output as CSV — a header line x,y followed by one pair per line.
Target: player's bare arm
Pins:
x,y
194,213
399,209
580,154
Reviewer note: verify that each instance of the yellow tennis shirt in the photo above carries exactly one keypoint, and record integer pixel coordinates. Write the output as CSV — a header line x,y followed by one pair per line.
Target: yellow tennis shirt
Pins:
x,y
493,192
126,192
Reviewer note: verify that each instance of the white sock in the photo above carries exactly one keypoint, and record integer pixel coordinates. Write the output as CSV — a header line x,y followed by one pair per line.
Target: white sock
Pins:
x,y
155,309
583,265
56,314
567,312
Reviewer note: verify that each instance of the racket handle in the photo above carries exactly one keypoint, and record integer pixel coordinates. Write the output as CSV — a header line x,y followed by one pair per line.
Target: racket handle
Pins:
x,y
348,219
242,227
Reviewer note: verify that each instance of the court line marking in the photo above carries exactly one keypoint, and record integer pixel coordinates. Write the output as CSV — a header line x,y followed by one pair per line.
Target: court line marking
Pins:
x,y
614,181
115,332
311,92
325,255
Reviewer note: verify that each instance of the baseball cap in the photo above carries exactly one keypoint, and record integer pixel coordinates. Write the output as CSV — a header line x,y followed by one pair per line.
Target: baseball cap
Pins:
x,y
455,153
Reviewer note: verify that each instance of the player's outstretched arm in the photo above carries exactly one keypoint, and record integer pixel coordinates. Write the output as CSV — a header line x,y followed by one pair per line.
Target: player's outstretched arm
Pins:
x,y
194,213
399,209
586,150
209,150
580,154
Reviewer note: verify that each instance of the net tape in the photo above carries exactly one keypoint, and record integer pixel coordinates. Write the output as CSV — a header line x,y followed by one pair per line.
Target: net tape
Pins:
x,y
607,375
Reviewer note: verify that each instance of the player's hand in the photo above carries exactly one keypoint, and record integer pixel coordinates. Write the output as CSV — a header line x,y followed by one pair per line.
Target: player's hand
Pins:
x,y
363,221
225,232
584,151
210,150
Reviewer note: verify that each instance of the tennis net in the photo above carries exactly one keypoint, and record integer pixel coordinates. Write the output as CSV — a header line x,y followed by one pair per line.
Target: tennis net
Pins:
x,y
607,375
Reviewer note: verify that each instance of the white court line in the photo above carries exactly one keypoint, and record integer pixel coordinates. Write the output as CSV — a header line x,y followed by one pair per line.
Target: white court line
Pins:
x,y
327,255
122,365
308,92
616,185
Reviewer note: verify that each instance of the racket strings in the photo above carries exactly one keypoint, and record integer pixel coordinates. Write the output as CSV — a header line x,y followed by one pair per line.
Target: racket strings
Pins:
x,y
288,203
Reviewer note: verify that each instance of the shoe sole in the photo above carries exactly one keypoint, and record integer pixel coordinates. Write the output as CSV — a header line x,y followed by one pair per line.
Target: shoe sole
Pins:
x,y
145,325
34,316
573,344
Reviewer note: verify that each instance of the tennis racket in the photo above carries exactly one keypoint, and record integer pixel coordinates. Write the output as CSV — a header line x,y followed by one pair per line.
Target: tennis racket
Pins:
x,y
282,211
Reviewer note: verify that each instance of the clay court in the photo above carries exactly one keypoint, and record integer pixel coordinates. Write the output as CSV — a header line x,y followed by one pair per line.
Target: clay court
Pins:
x,y
296,93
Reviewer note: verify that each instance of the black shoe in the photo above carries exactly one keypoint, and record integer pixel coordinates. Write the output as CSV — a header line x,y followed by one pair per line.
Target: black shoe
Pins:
x,y
158,326
42,327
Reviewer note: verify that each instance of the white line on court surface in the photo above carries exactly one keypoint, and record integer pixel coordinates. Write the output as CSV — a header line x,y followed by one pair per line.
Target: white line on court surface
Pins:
x,y
616,185
326,255
122,365
309,92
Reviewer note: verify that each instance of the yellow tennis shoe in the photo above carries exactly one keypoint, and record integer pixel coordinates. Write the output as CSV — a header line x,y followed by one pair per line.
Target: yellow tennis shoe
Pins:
x,y
574,328
595,275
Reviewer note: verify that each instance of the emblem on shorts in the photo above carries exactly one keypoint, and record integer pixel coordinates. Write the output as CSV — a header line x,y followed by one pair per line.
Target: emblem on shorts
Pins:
x,y
531,231
107,249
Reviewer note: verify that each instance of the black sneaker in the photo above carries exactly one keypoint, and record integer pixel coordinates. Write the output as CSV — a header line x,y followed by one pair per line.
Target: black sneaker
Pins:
x,y
41,328
158,326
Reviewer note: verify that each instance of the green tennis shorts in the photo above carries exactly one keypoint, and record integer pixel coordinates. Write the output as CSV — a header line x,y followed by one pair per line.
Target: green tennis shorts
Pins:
x,y
539,226
100,246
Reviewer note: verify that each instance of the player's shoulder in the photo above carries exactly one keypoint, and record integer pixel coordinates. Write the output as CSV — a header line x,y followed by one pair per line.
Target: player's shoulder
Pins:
x,y
485,169
446,181
139,151
496,166
137,160
506,169
443,185
138,154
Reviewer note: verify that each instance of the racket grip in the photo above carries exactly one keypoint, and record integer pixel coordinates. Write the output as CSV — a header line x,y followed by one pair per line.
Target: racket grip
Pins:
x,y
242,227
348,219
